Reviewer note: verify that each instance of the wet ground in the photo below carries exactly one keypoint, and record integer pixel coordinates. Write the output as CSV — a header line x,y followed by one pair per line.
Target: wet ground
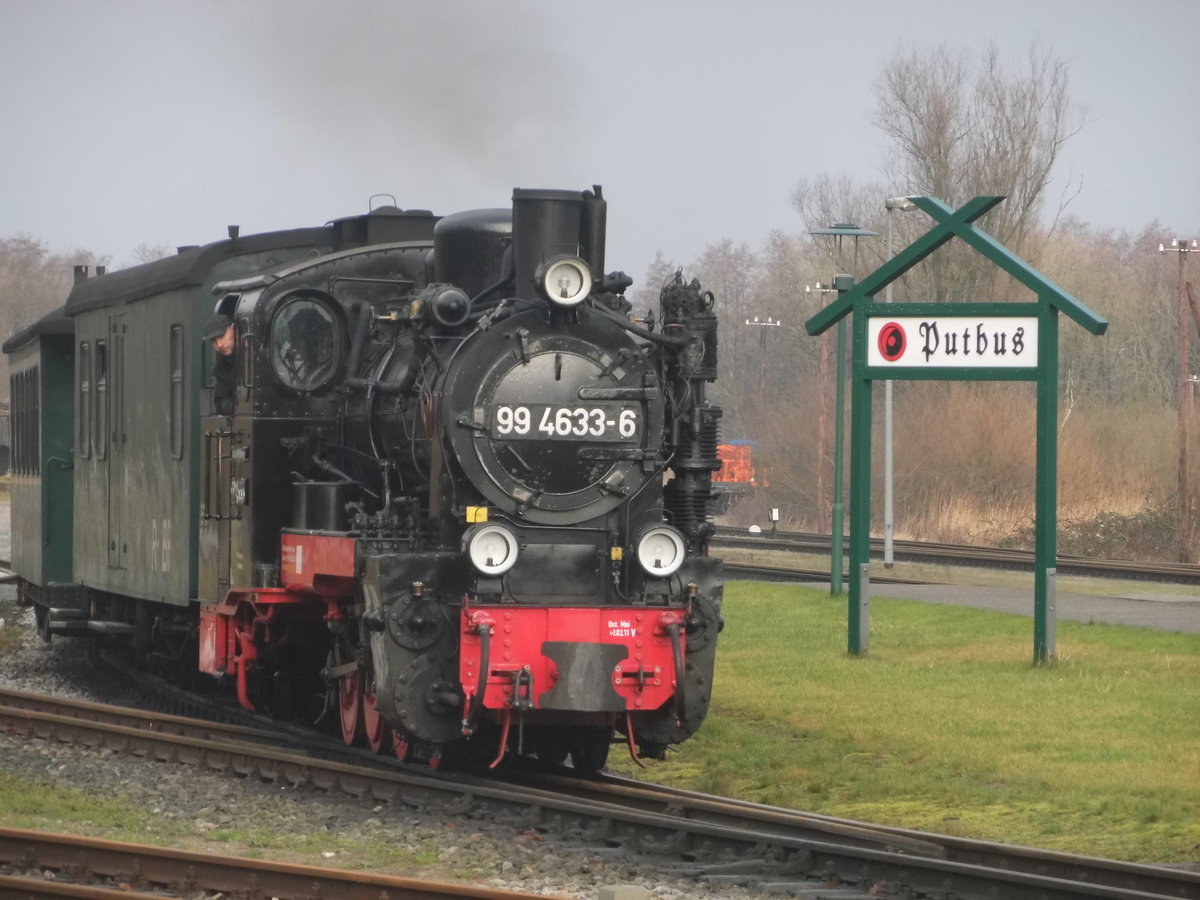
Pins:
x,y
1142,606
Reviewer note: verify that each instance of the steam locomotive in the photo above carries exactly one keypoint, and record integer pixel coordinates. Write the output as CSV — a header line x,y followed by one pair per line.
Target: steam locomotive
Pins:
x,y
462,504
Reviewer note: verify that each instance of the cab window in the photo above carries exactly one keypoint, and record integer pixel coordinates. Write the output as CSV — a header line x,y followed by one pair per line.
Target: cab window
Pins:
x,y
306,343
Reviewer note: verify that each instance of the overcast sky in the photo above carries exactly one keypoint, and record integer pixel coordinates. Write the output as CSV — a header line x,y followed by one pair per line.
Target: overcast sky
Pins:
x,y
128,122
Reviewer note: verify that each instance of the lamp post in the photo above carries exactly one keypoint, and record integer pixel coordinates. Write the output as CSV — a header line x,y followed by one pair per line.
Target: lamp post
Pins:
x,y
843,283
1184,514
762,350
823,412
891,204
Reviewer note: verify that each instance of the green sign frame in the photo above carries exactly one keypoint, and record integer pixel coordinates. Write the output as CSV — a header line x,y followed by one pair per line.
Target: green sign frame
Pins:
x,y
858,301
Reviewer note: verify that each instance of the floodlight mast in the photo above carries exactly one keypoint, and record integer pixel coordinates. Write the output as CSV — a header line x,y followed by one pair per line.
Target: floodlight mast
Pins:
x,y
1182,247
891,204
762,351
842,283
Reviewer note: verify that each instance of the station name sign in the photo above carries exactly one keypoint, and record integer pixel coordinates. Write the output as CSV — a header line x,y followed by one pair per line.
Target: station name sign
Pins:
x,y
952,342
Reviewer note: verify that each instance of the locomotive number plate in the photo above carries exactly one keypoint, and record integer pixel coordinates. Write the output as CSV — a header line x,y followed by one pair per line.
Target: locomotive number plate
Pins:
x,y
542,421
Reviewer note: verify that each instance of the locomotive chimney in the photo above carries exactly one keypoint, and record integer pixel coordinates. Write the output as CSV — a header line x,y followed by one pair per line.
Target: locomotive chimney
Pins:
x,y
81,273
100,270
234,231
545,224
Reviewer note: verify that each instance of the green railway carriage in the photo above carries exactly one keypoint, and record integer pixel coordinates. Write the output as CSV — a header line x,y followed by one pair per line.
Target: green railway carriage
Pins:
x,y
140,366
121,371
109,393
41,366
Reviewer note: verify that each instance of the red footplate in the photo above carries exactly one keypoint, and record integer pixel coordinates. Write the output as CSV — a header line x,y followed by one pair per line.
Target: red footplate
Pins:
x,y
570,658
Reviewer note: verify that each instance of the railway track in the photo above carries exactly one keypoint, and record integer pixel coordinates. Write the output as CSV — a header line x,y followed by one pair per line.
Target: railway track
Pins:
x,y
711,839
42,865
964,555
752,572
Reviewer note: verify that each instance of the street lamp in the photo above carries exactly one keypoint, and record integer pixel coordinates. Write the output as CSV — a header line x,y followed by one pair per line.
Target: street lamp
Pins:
x,y
823,412
1183,514
762,351
837,526
891,204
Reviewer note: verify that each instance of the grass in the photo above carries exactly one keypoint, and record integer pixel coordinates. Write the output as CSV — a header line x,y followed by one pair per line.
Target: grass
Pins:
x,y
46,806
946,726
10,637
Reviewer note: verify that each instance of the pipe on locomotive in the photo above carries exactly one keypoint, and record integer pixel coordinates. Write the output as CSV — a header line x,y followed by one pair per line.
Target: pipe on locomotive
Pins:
x,y
362,330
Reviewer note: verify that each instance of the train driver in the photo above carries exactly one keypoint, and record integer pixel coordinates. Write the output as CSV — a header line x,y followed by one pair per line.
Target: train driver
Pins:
x,y
220,333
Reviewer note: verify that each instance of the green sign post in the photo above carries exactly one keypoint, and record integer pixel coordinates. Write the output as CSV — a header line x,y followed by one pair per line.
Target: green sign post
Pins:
x,y
955,341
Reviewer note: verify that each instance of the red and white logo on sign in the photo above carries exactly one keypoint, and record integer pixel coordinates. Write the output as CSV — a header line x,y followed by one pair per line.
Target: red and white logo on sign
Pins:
x,y
892,341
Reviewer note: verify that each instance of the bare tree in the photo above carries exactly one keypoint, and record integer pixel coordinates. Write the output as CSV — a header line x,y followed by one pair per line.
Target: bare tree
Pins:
x,y
148,253
827,199
658,273
33,281
730,271
922,107
961,127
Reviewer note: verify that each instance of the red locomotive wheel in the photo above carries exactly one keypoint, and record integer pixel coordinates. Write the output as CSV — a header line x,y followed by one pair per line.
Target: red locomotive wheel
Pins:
x,y
376,728
399,746
350,708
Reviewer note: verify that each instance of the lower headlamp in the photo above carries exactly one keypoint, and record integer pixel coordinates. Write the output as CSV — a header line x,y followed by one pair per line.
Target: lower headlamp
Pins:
x,y
491,548
661,550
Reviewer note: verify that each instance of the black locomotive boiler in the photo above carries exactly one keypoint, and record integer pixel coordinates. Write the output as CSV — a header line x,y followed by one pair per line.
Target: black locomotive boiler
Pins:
x,y
462,502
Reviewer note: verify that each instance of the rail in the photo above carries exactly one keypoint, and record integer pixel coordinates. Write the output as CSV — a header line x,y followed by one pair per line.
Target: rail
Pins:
x,y
966,555
94,868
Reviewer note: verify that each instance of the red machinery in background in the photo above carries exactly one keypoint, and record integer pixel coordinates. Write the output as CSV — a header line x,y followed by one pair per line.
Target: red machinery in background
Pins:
x,y
737,475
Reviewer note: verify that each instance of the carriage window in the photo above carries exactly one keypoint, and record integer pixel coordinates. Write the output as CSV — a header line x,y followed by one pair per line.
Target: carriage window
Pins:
x,y
100,419
35,421
17,407
306,344
23,423
83,412
26,403
177,392
15,420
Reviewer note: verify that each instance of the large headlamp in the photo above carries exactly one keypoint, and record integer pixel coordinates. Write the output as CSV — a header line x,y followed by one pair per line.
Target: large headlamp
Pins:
x,y
491,548
564,280
661,550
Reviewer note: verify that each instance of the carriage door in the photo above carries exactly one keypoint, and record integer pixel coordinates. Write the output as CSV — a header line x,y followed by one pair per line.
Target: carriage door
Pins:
x,y
216,507
112,382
